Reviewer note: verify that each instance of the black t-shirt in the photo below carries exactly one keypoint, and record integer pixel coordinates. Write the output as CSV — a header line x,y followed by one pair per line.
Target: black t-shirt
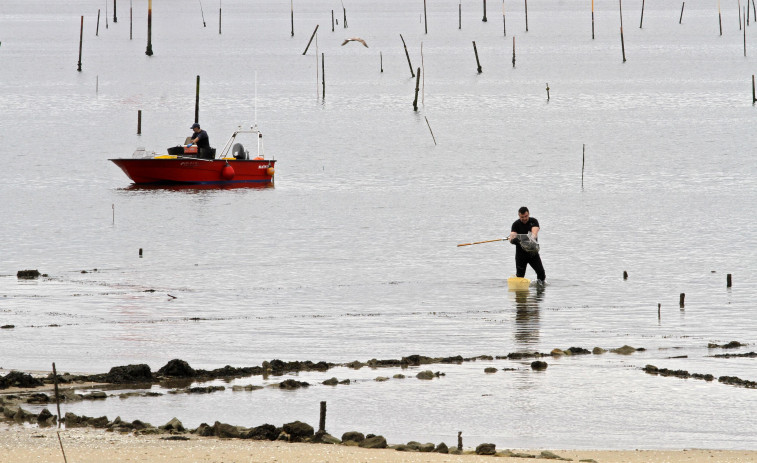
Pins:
x,y
202,139
523,228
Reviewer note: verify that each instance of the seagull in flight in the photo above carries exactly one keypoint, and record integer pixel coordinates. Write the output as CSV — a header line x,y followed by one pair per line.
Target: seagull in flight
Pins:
x,y
355,39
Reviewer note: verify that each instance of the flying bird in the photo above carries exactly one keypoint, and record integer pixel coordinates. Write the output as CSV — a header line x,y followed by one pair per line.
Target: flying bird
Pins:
x,y
355,39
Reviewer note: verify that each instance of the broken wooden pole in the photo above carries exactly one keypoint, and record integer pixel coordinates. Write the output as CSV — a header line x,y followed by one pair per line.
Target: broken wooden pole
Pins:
x,y
622,44
425,20
720,20
408,56
291,11
625,275
460,441
681,18
417,88
754,97
197,101
478,63
592,19
504,23
311,39
641,22
140,253
148,52
460,15
55,382
526,3
728,281
97,29
484,18
583,164
81,37
659,306
219,17
332,20
680,300
547,91
139,122
323,76
381,61
429,129
131,21
115,18
513,51
344,22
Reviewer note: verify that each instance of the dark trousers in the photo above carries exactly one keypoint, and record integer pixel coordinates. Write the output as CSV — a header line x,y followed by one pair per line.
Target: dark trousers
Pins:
x,y
523,258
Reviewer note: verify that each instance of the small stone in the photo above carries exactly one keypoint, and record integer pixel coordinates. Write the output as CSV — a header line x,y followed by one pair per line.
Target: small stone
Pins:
x,y
538,365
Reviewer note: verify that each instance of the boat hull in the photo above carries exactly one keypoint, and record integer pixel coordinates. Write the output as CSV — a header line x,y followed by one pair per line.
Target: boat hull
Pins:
x,y
196,171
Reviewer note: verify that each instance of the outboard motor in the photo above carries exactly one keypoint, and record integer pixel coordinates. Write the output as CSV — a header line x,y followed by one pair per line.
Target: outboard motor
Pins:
x,y
238,152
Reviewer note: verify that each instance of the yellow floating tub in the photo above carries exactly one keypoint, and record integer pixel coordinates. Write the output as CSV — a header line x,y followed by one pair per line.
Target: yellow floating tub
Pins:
x,y
518,284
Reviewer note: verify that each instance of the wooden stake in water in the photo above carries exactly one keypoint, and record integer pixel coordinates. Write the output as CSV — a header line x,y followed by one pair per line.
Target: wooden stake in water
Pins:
x,y
202,13
659,307
322,420
754,10
148,52
311,39
344,17
547,91
720,19
513,51
478,64
592,19
625,275
197,101
680,300
81,37
425,20
381,61
620,5
754,98
106,14
407,55
460,441
681,18
583,164
219,17
139,122
291,10
131,20
429,129
526,3
323,76
97,29
332,20
417,88
504,23
460,15
622,44
739,14
115,18
745,12
728,281
641,22
57,397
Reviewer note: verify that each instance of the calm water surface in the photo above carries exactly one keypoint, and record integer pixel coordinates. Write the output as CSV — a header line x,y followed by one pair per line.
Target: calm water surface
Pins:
x,y
352,255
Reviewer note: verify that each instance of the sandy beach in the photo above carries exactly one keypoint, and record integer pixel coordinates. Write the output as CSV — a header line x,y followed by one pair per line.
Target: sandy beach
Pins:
x,y
20,444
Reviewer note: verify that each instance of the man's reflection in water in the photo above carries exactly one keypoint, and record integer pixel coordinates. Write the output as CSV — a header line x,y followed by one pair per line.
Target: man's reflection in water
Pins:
x,y
527,305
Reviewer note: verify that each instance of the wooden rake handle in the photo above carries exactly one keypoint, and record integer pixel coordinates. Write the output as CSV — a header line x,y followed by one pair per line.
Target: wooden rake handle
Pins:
x,y
479,242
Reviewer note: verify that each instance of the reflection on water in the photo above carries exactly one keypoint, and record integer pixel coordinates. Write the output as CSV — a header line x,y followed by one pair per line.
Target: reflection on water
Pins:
x,y
195,187
527,306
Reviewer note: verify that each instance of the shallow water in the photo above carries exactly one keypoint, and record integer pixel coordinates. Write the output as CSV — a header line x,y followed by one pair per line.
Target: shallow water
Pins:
x,y
352,255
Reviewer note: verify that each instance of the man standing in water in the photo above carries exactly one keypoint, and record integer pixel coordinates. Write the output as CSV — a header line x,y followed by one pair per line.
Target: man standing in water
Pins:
x,y
522,226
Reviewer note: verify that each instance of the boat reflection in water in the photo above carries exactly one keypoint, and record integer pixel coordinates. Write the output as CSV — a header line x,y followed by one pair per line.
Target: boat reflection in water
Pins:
x,y
527,306
195,187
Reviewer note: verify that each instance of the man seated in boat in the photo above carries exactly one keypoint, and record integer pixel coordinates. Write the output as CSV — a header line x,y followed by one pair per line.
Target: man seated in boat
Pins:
x,y
200,138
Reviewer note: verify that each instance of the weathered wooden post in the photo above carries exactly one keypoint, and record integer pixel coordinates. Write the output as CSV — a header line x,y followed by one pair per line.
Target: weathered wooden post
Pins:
x,y
504,23
641,22
197,101
344,21
322,420
739,2
291,11
425,20
754,97
513,51
583,164
728,281
417,88
219,17
681,18
460,15
140,253
625,275
460,441
97,29
429,129
81,37
478,64
57,397
106,14
484,18
720,20
311,39
115,18
659,307
526,3
408,56
139,122
148,52
592,19
332,20
323,78
547,91
381,61
680,300
131,21
622,42
745,11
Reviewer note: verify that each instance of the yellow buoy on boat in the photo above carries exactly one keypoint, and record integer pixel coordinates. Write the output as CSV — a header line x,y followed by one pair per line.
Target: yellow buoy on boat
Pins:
x,y
518,284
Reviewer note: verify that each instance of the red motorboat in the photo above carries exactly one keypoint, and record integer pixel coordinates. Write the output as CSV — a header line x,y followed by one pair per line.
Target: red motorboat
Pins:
x,y
185,165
